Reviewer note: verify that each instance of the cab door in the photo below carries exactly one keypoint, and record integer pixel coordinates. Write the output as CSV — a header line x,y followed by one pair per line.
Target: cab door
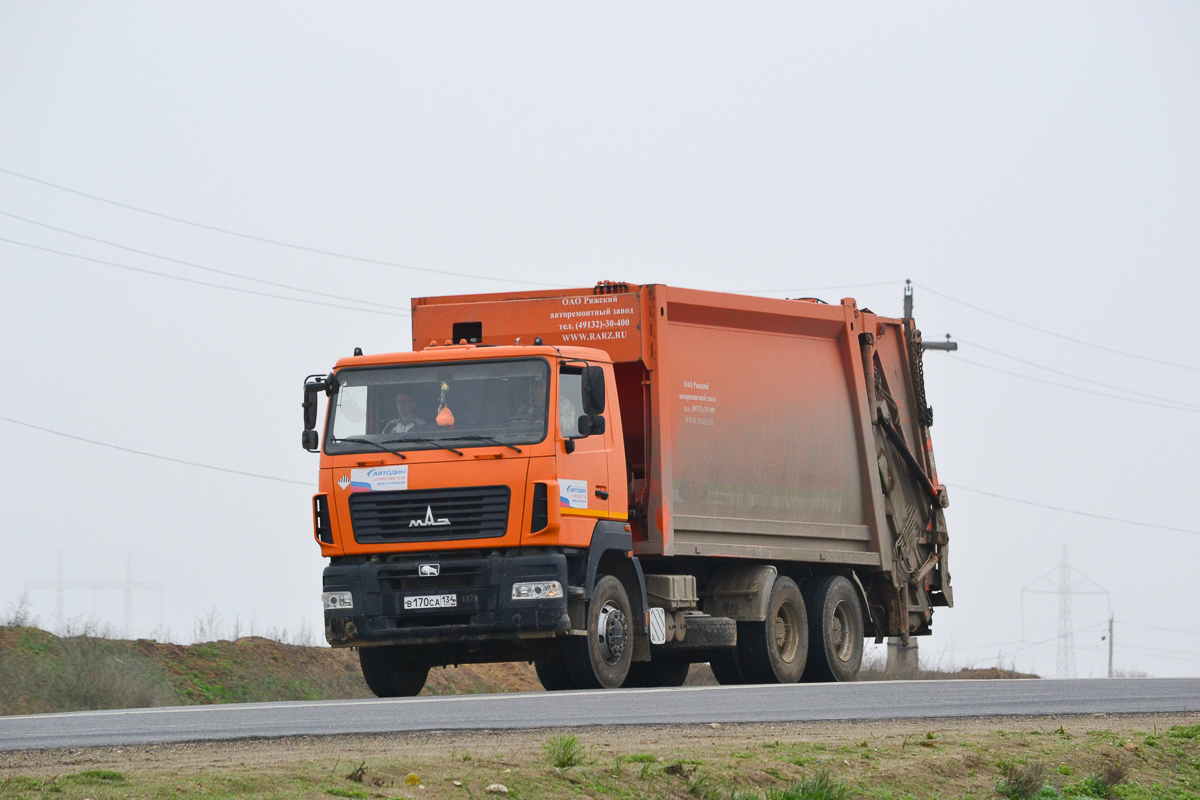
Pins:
x,y
583,480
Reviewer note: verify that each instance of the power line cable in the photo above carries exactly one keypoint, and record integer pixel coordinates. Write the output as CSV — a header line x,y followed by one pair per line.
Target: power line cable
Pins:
x,y
266,240
1139,652
1157,628
1055,334
1144,649
1157,654
1073,511
1073,377
987,646
1051,639
202,283
1190,410
822,288
152,455
200,266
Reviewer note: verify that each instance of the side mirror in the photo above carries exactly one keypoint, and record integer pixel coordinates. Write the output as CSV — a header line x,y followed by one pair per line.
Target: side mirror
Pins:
x,y
592,384
312,385
591,425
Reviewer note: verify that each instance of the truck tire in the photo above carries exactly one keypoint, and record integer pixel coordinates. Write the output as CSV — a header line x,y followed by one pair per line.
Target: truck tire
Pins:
x,y
661,672
552,672
389,673
835,624
727,666
601,659
776,649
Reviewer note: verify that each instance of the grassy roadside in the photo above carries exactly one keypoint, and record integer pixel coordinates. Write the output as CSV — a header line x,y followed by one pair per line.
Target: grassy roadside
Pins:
x,y
41,672
1149,757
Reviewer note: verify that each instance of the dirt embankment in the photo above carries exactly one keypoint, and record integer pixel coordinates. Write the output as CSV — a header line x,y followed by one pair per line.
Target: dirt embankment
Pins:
x,y
41,672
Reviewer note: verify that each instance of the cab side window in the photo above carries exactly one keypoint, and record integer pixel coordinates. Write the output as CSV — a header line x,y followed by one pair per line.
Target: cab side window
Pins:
x,y
570,402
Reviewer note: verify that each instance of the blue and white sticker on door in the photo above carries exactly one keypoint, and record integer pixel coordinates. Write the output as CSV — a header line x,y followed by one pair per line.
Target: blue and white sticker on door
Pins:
x,y
378,479
572,494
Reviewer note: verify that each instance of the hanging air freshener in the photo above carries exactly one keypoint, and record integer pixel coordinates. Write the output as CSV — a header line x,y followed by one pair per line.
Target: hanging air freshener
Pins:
x,y
445,417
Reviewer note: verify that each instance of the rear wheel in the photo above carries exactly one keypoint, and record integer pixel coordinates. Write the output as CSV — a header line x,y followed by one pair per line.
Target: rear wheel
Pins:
x,y
661,672
727,667
836,624
775,650
601,659
389,673
552,672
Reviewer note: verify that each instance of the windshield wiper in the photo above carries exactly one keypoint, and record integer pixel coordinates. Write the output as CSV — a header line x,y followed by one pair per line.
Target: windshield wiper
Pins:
x,y
373,444
485,439
433,442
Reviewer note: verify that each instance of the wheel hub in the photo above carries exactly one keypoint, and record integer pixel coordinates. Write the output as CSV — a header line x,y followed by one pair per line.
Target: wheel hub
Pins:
x,y
612,631
787,632
841,643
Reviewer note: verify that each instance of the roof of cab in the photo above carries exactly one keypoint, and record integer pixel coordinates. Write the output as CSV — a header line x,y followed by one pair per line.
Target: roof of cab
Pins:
x,y
464,352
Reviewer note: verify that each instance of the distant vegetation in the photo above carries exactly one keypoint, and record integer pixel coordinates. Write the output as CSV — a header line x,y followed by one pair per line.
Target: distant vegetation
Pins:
x,y
41,672
88,669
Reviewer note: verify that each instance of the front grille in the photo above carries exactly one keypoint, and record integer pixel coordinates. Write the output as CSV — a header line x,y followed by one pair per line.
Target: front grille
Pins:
x,y
472,512
451,575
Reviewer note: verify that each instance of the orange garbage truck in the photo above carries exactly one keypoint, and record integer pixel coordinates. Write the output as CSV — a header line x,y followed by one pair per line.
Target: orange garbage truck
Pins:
x,y
617,482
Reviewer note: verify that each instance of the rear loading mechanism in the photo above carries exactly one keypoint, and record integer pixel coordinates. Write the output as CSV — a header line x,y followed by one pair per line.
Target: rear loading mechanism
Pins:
x,y
739,481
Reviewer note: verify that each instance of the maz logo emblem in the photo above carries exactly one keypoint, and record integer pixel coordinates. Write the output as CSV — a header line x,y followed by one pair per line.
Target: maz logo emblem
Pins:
x,y
429,570
429,521
344,482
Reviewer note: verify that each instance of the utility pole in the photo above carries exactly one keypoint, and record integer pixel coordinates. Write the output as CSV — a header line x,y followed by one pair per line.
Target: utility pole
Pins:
x,y
1110,644
128,595
948,345
1064,581
128,586
58,604
1066,628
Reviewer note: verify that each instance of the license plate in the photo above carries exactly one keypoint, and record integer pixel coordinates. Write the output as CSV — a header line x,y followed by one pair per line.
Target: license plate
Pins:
x,y
431,601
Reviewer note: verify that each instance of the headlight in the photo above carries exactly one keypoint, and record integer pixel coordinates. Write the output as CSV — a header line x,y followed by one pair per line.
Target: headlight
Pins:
x,y
337,600
537,590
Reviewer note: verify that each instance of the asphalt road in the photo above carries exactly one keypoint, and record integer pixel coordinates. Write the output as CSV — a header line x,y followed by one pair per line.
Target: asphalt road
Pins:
x,y
724,704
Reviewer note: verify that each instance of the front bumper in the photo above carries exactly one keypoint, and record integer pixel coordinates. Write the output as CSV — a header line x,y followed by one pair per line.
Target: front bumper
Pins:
x,y
481,582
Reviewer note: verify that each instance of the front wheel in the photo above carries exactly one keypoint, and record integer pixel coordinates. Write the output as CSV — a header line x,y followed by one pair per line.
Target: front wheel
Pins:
x,y
389,673
601,659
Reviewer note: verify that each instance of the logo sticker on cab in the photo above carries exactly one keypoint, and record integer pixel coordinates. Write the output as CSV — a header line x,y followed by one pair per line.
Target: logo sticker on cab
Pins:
x,y
572,494
379,479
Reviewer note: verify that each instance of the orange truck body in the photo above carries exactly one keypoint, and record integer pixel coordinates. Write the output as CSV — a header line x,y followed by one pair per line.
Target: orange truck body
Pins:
x,y
742,433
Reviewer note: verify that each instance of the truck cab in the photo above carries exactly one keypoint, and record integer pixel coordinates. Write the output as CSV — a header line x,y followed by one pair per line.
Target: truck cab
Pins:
x,y
468,495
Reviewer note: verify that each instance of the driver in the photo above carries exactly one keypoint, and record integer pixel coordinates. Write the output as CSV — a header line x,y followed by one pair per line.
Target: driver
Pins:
x,y
532,402
406,415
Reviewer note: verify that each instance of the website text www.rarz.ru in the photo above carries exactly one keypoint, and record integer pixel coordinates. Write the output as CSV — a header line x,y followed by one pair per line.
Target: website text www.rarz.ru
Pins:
x,y
594,337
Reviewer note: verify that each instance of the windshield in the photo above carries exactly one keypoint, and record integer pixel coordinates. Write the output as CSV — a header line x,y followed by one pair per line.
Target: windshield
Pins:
x,y
429,406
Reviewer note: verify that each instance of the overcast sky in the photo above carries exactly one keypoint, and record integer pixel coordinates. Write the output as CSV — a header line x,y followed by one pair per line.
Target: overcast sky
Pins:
x,y
1038,161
